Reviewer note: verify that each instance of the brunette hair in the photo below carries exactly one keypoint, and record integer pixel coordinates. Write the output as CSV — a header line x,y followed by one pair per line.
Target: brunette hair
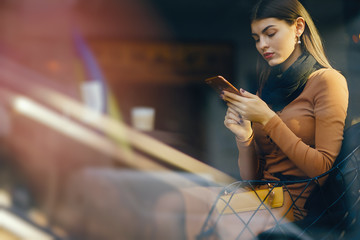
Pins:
x,y
289,11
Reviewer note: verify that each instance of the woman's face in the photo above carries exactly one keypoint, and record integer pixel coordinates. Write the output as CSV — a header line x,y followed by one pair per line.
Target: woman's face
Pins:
x,y
276,41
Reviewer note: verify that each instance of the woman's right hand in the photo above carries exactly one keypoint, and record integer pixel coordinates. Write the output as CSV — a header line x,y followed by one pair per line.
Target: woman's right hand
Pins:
x,y
240,127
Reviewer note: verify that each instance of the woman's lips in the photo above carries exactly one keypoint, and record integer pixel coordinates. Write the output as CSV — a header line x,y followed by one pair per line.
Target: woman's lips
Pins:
x,y
268,55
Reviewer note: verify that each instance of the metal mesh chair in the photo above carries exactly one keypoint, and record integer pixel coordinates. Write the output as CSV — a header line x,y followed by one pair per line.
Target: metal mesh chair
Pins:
x,y
333,206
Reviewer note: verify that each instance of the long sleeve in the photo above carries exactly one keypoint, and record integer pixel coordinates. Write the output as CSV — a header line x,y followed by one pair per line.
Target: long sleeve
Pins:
x,y
324,103
248,161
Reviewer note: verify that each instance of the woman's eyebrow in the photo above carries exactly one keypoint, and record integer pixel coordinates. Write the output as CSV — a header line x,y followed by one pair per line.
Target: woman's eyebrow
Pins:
x,y
264,30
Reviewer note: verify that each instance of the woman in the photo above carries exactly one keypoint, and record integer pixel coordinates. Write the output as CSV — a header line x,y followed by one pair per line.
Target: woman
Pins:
x,y
293,127
299,113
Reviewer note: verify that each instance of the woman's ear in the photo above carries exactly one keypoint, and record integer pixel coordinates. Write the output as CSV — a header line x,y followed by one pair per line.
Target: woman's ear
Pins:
x,y
300,26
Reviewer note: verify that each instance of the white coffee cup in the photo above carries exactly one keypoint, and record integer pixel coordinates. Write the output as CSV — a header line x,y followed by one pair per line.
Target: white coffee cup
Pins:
x,y
143,118
93,95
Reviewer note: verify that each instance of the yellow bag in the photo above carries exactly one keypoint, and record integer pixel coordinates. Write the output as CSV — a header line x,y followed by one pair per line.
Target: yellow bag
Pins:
x,y
250,201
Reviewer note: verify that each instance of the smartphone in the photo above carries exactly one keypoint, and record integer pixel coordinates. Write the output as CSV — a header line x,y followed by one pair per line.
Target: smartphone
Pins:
x,y
220,84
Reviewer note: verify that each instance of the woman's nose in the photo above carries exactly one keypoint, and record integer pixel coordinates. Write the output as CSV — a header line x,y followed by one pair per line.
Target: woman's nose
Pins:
x,y
263,44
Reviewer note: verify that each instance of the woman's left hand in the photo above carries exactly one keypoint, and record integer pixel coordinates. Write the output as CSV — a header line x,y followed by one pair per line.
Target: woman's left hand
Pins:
x,y
249,106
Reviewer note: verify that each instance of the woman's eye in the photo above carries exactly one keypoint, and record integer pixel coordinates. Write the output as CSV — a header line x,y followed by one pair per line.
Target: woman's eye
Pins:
x,y
271,34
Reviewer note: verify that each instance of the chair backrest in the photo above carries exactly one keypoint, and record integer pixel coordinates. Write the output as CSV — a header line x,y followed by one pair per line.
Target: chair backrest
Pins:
x,y
338,198
350,142
332,208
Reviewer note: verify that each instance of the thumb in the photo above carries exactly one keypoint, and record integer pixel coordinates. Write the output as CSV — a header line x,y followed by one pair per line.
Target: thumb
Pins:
x,y
246,93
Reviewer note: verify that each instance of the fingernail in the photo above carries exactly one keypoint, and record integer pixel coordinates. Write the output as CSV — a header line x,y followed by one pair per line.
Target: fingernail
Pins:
x,y
242,90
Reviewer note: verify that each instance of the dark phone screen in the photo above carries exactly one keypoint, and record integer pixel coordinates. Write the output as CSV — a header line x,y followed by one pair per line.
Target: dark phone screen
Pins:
x,y
220,84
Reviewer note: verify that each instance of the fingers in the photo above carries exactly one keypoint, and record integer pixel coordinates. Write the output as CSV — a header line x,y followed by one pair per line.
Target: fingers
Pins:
x,y
236,109
246,94
230,109
243,93
228,96
230,119
233,115
238,100
227,122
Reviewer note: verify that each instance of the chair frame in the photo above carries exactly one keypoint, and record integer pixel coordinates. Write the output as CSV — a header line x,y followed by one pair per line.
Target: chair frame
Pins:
x,y
341,171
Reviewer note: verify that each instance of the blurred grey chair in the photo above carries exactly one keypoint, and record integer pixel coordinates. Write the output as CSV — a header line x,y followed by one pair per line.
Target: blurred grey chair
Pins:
x,y
333,207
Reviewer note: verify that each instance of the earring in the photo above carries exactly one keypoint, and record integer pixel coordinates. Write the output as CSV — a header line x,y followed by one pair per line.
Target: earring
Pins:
x,y
299,40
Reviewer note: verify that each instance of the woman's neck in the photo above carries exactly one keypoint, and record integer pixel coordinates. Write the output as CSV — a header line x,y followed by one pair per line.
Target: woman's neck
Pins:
x,y
291,59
